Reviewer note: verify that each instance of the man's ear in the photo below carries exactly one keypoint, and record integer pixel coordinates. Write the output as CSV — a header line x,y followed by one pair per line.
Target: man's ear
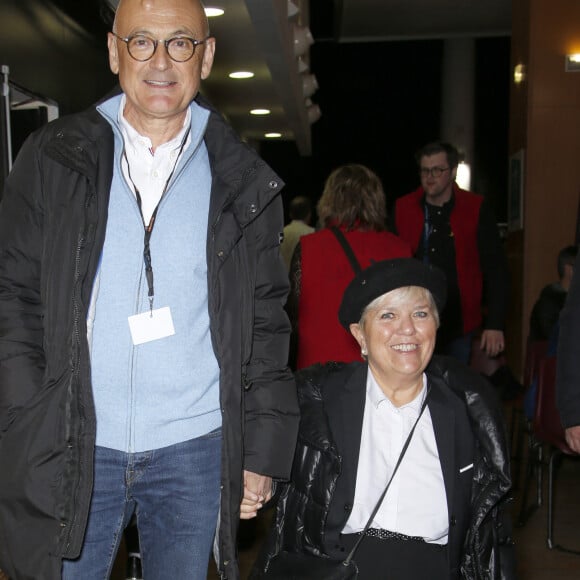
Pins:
x,y
208,55
113,54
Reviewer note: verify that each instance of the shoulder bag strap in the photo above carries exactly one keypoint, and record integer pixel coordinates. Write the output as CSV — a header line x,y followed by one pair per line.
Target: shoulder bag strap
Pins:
x,y
347,249
376,508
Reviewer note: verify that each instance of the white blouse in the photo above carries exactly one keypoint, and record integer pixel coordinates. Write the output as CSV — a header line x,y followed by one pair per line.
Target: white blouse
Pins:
x,y
416,504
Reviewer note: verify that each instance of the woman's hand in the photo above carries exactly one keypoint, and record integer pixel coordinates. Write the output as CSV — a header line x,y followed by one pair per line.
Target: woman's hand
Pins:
x,y
257,491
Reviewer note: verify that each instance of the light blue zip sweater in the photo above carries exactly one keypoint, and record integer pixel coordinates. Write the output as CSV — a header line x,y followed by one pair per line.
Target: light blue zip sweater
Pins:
x,y
166,391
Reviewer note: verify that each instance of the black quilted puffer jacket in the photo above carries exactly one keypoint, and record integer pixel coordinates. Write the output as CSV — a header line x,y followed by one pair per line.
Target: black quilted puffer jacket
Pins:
x,y
332,396
53,221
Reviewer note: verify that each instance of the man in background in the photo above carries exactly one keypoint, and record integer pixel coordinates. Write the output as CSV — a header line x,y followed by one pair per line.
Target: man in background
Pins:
x,y
546,310
568,371
455,230
300,212
545,318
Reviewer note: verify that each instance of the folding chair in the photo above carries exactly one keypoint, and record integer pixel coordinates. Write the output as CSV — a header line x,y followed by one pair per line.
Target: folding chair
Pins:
x,y
547,429
520,423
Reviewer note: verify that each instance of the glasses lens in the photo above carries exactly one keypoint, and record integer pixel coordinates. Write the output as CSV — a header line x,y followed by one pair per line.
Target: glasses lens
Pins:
x,y
141,47
180,49
432,171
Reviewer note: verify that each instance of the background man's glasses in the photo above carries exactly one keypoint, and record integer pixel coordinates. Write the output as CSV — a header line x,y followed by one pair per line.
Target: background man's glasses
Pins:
x,y
432,171
142,48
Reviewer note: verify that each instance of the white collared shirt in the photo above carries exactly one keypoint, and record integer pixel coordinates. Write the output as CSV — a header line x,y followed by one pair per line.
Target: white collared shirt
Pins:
x,y
149,171
416,504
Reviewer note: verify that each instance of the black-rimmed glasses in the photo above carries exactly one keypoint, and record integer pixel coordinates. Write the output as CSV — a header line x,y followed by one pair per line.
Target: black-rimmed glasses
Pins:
x,y
432,171
142,47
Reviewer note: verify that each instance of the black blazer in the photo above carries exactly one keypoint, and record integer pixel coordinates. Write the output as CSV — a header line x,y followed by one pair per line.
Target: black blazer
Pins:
x,y
313,507
455,443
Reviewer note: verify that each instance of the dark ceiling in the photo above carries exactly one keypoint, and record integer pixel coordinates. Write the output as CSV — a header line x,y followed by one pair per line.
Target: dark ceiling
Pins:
x,y
258,35
377,63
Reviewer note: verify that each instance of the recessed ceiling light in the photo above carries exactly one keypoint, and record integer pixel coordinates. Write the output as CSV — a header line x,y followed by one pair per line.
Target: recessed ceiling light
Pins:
x,y
211,11
260,112
273,135
241,74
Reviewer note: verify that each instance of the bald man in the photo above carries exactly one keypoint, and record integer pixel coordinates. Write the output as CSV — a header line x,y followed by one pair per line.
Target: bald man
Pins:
x,y
143,341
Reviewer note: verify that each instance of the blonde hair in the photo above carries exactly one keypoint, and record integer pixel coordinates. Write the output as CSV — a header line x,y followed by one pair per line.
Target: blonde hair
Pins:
x,y
353,196
400,295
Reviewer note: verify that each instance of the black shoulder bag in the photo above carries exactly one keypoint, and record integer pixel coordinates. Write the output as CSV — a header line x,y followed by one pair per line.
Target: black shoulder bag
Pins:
x,y
299,566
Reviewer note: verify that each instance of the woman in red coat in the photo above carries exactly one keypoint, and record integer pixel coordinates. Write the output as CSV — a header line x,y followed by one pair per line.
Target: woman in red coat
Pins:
x,y
353,201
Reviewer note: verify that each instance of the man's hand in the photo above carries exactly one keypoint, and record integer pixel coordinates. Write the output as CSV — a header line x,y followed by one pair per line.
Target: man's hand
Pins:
x,y
573,438
257,491
493,342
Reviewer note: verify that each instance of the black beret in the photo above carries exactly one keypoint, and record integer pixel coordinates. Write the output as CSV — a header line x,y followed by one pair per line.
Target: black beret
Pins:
x,y
382,277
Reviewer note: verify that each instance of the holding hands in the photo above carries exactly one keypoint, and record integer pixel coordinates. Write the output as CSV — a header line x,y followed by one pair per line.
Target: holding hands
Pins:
x,y
257,491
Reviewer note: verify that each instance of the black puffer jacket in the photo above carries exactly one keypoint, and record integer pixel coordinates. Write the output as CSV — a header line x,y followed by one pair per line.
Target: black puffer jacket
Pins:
x,y
52,227
483,544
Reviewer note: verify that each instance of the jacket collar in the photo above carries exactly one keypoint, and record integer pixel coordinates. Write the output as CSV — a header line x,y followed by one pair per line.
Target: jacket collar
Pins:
x,y
235,166
483,410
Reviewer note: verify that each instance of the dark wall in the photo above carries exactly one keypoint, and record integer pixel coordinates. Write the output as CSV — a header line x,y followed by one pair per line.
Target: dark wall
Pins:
x,y
492,83
51,55
380,102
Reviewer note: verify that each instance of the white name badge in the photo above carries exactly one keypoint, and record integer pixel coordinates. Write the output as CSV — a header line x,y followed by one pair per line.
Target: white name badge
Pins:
x,y
151,325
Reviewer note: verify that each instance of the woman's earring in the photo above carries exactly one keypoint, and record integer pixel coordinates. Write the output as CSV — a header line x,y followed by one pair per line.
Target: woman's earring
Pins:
x,y
363,351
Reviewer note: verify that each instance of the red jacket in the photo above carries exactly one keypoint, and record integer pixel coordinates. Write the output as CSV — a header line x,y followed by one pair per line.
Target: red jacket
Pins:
x,y
326,272
410,220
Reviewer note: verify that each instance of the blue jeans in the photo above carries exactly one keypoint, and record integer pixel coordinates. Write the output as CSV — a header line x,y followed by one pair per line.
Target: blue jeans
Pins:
x,y
174,492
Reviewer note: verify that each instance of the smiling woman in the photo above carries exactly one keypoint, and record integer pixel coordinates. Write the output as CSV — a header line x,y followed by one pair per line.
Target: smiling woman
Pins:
x,y
396,335
405,417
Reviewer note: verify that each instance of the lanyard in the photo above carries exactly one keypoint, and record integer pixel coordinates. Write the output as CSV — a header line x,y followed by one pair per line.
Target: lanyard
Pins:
x,y
148,228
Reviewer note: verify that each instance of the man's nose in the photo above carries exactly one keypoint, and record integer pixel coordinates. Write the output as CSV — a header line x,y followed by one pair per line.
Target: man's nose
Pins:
x,y
160,59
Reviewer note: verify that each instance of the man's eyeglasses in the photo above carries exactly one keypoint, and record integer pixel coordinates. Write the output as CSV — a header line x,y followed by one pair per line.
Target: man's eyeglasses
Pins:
x,y
142,48
432,171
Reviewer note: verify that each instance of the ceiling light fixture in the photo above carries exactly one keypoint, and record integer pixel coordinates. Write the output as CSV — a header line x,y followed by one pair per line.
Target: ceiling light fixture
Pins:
x,y
212,11
572,62
241,74
309,85
302,40
292,9
273,135
463,176
519,73
260,112
302,65
312,111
